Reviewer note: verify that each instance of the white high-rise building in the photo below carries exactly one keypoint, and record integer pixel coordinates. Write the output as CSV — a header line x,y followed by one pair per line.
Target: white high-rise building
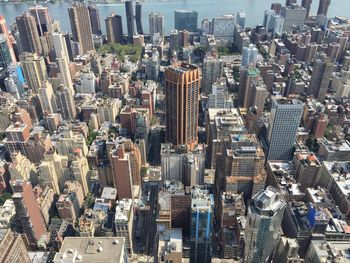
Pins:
x,y
273,22
283,125
223,29
264,220
250,55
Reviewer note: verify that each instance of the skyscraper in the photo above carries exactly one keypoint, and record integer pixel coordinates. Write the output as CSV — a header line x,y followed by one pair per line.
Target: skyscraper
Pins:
x,y
276,7
201,225
283,125
240,19
250,55
28,213
34,70
294,16
28,34
186,20
211,72
248,77
114,28
307,5
129,11
65,103
156,24
264,219
323,7
95,20
321,76
42,18
4,30
62,57
138,18
182,85
289,2
81,26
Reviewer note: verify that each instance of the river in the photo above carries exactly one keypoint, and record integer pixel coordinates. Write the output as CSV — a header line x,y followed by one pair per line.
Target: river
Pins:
x,y
205,8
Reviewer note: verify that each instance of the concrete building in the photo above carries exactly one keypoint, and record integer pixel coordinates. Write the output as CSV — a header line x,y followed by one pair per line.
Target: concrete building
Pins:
x,y
307,168
307,5
42,18
201,225
12,247
169,246
4,30
138,18
7,211
129,11
114,28
263,225
331,251
28,214
80,170
220,124
124,220
220,97
29,36
287,251
320,78
248,76
294,16
212,70
241,166
92,249
334,151
65,103
34,70
67,141
241,19
323,7
283,125
156,24
181,109
223,29
79,18
186,20
47,97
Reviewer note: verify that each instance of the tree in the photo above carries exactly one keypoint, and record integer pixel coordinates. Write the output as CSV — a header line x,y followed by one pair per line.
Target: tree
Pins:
x,y
4,196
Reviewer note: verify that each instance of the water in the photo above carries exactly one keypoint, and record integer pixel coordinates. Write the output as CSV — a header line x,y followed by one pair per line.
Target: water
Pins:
x,y
205,8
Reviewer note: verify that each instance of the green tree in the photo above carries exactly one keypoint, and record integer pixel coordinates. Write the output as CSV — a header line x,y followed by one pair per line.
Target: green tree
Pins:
x,y
4,196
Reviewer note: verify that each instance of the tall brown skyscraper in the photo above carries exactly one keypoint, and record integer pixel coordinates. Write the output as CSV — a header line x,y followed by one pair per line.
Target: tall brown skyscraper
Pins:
x,y
323,7
182,85
114,28
28,214
42,17
307,5
28,34
81,26
249,76
95,20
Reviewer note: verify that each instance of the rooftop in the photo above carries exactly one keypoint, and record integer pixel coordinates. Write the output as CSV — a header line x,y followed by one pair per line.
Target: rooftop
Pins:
x,y
91,249
170,240
268,201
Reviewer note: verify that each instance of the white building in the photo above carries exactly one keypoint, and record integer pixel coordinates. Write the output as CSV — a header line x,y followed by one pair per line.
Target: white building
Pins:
x,y
124,217
87,82
223,29
250,55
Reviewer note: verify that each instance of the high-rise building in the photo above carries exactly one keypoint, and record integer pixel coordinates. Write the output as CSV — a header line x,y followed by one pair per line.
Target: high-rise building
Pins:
x,y
42,18
156,24
241,19
248,77
81,26
307,5
273,22
5,32
250,55
289,2
28,34
223,29
294,16
124,220
47,97
186,20
12,246
202,210
306,170
28,214
264,220
240,169
65,103
95,20
62,57
138,18
323,7
283,125
114,28
129,11
121,169
34,70
5,53
211,72
320,78
182,86
276,7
